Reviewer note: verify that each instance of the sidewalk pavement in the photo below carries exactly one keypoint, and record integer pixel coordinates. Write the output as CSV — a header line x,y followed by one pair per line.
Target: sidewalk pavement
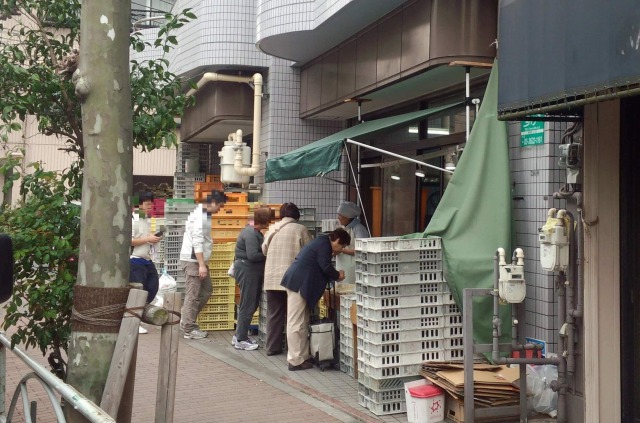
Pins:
x,y
217,383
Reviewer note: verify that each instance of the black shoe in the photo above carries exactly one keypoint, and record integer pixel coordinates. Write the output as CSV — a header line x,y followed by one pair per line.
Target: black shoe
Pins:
x,y
304,366
270,353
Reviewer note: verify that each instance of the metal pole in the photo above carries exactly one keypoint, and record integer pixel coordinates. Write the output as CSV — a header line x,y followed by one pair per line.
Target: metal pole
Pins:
x,y
467,330
409,159
366,221
73,398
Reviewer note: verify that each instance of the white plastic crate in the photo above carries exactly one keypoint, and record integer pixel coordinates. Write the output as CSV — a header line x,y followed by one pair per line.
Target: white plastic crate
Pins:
x,y
415,301
447,298
394,313
417,358
453,343
402,290
382,396
453,332
388,372
426,344
398,279
424,322
397,336
455,354
383,384
378,245
398,256
453,320
382,409
399,267
451,309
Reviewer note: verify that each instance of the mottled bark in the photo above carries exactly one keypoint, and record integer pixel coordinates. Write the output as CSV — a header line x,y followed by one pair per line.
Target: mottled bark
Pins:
x,y
103,85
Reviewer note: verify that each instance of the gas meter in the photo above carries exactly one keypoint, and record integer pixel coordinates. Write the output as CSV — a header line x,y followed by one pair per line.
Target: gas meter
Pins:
x,y
511,285
570,159
554,242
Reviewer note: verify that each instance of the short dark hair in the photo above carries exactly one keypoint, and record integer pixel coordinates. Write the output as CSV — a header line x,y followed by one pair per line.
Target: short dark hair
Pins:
x,y
262,215
290,210
341,235
146,196
217,197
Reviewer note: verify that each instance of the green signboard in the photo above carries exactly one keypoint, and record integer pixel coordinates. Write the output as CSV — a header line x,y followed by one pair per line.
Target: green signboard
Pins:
x,y
531,133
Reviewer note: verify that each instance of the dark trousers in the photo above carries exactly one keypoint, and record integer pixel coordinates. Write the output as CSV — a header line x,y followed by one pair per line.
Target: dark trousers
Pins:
x,y
276,319
147,275
250,281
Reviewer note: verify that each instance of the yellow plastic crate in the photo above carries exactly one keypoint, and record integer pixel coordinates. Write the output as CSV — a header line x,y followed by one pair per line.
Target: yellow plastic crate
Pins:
x,y
220,264
218,282
223,256
219,273
224,246
219,308
233,222
221,299
215,317
233,210
236,197
209,326
255,320
224,290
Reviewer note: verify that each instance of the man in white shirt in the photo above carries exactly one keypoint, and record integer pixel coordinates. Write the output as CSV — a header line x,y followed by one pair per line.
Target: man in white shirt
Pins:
x,y
194,258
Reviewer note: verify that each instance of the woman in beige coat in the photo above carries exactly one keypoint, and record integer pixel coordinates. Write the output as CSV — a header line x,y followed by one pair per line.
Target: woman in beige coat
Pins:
x,y
281,245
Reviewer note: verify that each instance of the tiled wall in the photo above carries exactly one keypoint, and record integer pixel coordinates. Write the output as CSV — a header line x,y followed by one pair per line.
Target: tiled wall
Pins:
x,y
283,131
535,176
223,36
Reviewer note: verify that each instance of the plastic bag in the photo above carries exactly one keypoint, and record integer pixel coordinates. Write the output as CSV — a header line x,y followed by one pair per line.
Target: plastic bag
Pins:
x,y
231,271
542,399
166,285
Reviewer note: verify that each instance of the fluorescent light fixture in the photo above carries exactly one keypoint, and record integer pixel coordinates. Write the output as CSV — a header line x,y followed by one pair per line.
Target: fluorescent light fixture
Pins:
x,y
413,129
437,131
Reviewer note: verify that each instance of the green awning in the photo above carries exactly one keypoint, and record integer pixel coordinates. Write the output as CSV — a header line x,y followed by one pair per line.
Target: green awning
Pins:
x,y
323,156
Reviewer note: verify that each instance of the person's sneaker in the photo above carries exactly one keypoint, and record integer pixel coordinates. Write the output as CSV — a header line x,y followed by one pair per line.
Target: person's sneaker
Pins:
x,y
142,330
245,345
196,334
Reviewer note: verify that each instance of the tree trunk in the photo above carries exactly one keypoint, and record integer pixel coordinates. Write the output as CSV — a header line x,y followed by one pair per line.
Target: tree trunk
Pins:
x,y
103,86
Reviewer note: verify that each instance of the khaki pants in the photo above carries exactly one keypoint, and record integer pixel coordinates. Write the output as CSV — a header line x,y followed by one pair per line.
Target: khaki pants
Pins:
x,y
298,316
197,293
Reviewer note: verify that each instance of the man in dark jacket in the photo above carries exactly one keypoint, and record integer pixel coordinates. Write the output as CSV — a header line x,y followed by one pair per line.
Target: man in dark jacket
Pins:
x,y
305,282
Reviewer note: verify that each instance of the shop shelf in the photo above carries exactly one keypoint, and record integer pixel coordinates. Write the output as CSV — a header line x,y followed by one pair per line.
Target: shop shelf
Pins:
x,y
378,245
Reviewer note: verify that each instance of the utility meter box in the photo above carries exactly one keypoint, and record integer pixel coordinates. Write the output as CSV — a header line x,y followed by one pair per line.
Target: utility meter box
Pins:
x,y
511,285
227,162
554,243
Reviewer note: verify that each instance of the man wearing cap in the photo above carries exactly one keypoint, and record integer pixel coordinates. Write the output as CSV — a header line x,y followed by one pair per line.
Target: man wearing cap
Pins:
x,y
194,257
348,213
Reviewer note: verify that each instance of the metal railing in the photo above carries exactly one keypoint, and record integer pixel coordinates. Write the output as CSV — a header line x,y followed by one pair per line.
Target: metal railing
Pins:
x,y
53,386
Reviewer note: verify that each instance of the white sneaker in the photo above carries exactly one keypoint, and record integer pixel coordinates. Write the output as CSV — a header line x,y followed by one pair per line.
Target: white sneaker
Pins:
x,y
234,341
196,334
245,345
142,330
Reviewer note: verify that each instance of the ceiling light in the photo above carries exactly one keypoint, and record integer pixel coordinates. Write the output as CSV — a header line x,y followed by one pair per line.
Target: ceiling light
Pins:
x,y
449,163
420,173
437,131
413,129
395,175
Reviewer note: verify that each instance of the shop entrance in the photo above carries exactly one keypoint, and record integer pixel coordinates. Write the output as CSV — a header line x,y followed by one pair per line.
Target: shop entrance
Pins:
x,y
630,257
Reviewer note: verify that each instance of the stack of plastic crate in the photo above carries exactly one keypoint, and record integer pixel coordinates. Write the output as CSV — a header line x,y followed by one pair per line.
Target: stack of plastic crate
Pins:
x,y
184,184
218,314
308,219
203,189
347,356
193,153
399,301
176,213
231,219
158,225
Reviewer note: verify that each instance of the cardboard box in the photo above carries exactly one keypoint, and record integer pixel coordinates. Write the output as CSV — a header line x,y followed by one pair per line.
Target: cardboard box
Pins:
x,y
454,412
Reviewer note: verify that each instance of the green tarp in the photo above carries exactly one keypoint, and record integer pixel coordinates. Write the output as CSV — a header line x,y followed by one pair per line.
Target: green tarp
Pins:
x,y
323,156
474,216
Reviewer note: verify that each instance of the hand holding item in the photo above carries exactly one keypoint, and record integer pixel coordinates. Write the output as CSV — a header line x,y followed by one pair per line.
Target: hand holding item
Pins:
x,y
153,239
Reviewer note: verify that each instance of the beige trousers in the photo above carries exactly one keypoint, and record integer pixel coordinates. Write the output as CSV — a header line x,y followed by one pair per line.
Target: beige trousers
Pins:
x,y
196,294
298,316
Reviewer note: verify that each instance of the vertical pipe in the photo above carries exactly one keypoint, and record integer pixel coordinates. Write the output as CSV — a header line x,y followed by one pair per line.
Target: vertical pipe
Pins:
x,y
570,287
467,99
580,252
495,353
562,366
467,330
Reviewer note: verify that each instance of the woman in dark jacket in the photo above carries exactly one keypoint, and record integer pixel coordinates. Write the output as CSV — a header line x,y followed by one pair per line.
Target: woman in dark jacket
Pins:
x,y
305,282
249,273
